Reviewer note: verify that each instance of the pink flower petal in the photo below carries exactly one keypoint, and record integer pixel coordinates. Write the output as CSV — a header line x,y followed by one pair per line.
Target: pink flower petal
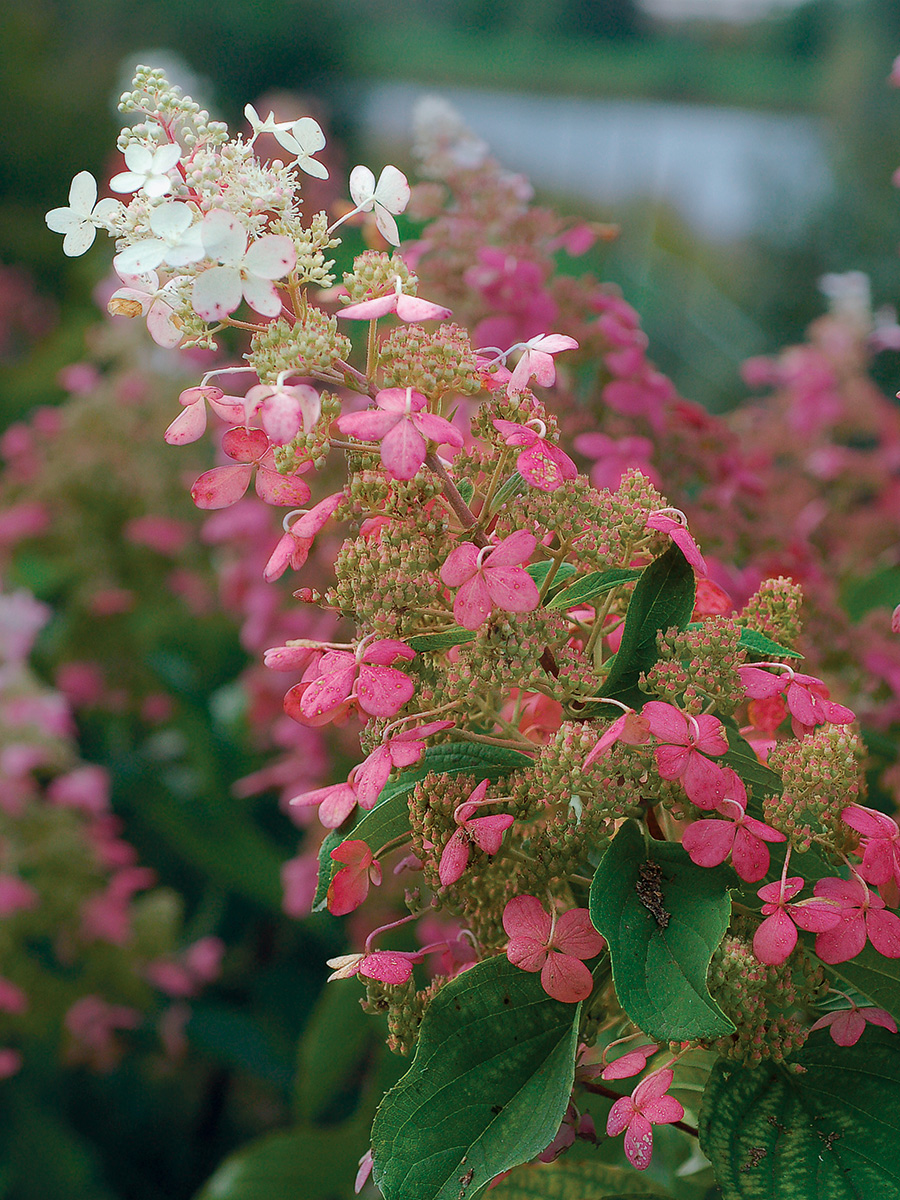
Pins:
x,y
472,605
221,486
575,935
620,1116
454,858
487,832
412,308
370,310
383,691
512,551
387,966
369,426
775,938
403,450
709,842
526,953
566,978
459,564
639,1142
188,426
524,916
512,589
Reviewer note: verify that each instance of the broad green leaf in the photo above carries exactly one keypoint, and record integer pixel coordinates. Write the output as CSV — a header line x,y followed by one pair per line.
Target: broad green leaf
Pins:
x,y
327,867
661,953
424,643
569,1180
595,584
757,643
487,1089
662,597
761,779
540,570
872,975
829,1133
389,819
338,1037
514,486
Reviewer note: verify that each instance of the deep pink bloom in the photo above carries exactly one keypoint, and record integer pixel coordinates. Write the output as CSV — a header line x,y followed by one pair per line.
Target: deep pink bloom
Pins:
x,y
648,1105
880,843
710,842
341,679
284,410
190,424
350,886
806,697
555,946
387,966
631,728
684,743
401,750
862,915
294,546
541,463
678,532
485,832
336,801
492,575
223,486
537,360
847,1024
630,1063
776,937
404,426
15,895
407,308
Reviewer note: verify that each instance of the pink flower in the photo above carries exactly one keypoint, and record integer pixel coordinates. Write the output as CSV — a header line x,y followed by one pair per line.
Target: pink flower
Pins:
x,y
678,532
10,1062
403,426
223,486
861,915
283,410
336,801
541,463
710,842
15,895
298,883
491,576
401,750
847,1024
143,296
685,742
190,424
555,946
350,886
648,1105
880,843
294,547
407,308
806,697
631,728
199,964
537,360
776,937
341,679
12,998
485,832
630,1063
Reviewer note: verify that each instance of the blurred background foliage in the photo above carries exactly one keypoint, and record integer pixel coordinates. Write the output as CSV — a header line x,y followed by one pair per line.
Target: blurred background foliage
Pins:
x,y
148,1132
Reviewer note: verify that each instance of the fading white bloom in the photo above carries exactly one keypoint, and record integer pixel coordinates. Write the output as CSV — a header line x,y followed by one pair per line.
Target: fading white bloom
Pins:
x,y
177,243
84,216
849,297
147,169
269,125
142,296
389,196
305,138
244,272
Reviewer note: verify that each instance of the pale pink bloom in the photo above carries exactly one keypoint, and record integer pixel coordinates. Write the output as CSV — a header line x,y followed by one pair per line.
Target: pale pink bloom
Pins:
x,y
648,1105
298,882
10,1062
22,617
407,308
294,546
485,832
293,657
388,198
709,843
614,456
880,843
15,895
401,750
336,801
350,886
23,520
403,425
148,170
283,410
541,463
861,915
341,679
80,682
106,916
223,486
142,296
491,576
365,1170
678,532
895,620
685,741
555,946
165,535
12,999
776,937
631,728
177,242
190,424
847,1024
86,788
537,360
199,964
244,273
630,1063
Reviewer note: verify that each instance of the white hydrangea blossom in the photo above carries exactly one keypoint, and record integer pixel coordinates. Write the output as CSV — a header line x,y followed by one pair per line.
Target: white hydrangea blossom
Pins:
x,y
177,242
148,170
84,216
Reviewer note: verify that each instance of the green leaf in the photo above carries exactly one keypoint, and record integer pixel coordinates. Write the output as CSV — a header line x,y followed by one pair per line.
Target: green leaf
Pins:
x,y
758,643
881,590
514,486
872,975
741,758
661,954
540,570
337,1039
592,585
830,1133
424,643
569,1180
327,868
662,597
487,1090
232,1036
466,489
389,819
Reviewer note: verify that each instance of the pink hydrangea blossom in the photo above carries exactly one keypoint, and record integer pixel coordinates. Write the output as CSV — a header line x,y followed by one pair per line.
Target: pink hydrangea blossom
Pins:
x,y
880,843
806,697
403,426
199,964
540,463
336,801
631,728
283,409
294,546
407,308
485,832
341,679
190,424
250,448
709,843
684,743
776,937
537,360
401,750
635,1115
12,999
16,895
631,1063
143,296
350,885
861,915
847,1024
556,946
491,576
676,527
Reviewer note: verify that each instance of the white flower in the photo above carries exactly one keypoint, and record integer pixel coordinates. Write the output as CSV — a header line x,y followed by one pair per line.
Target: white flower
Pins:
x,y
389,195
248,273
147,170
177,242
81,220
269,125
142,296
305,138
